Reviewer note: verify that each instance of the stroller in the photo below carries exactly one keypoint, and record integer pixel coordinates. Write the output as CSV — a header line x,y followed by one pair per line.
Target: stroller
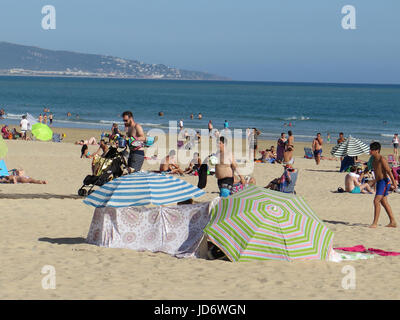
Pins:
x,y
105,168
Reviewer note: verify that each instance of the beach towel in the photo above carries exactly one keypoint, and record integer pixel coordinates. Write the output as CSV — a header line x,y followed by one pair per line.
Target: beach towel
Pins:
x,y
3,169
175,230
337,256
361,248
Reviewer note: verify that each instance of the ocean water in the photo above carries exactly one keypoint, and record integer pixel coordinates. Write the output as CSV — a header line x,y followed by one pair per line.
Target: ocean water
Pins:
x,y
369,112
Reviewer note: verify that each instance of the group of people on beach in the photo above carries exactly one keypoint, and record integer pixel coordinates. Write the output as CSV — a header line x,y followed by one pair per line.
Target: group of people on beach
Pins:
x,y
44,118
228,174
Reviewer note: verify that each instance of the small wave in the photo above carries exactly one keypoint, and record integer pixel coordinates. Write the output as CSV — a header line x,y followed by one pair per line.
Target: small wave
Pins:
x,y
14,116
111,122
386,135
151,124
301,118
79,122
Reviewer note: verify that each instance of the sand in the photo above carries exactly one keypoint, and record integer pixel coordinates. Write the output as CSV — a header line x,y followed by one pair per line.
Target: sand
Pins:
x,y
47,225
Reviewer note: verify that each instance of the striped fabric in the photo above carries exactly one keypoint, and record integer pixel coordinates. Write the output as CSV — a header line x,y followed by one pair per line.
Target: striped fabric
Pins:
x,y
351,147
142,188
261,224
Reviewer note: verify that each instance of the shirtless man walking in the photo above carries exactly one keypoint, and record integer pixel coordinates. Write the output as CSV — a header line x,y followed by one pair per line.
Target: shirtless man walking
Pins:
x,y
382,173
317,148
224,170
133,129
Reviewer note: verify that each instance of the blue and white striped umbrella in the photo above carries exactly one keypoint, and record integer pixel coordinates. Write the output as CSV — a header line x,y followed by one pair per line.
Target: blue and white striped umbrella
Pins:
x,y
142,188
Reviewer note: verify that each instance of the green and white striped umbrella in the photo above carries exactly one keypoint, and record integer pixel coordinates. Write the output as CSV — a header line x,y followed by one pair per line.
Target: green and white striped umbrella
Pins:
x,y
261,224
352,147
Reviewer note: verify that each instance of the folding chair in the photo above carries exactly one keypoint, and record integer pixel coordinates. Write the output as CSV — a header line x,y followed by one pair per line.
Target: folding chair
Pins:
x,y
308,154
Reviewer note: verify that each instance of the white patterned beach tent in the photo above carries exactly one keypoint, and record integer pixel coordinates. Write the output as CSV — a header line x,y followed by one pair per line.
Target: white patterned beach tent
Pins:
x,y
143,188
352,147
175,230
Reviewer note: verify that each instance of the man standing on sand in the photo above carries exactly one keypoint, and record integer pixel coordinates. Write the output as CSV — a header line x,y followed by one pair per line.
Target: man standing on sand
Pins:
x,y
341,138
382,171
133,129
290,140
24,124
225,168
317,148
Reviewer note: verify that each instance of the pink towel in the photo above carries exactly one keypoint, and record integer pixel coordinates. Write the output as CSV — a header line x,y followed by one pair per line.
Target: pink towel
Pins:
x,y
383,253
361,248
358,248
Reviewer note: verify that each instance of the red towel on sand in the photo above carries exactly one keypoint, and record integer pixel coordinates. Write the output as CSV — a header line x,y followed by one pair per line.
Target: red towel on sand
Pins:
x,y
361,248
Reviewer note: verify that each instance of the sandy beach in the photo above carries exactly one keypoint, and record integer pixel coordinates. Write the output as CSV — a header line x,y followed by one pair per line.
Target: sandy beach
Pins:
x,y
47,225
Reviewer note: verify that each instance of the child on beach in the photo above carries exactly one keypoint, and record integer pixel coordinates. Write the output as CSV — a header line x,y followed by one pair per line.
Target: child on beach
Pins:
x,y
382,173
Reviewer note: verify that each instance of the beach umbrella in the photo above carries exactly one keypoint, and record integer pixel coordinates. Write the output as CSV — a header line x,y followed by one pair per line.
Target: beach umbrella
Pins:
x,y
3,148
142,188
31,120
351,147
42,132
261,224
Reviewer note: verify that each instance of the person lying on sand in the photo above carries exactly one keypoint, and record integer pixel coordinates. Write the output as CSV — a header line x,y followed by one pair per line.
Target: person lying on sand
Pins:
x,y
91,141
20,178
169,165
352,183
238,185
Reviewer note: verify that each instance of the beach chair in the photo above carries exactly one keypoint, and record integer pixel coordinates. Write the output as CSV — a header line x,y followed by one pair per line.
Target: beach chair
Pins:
x,y
391,159
56,137
308,154
3,169
289,187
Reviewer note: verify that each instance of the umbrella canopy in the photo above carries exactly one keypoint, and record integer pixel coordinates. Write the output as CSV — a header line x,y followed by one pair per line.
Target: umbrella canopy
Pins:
x,y
261,224
3,148
142,188
42,132
352,147
31,120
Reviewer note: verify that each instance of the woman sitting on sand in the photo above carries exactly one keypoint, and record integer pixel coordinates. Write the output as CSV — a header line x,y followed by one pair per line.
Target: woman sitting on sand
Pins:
x,y
85,152
91,141
288,155
20,177
194,164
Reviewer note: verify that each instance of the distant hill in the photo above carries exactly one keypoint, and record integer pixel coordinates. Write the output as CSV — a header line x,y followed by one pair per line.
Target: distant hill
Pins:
x,y
26,60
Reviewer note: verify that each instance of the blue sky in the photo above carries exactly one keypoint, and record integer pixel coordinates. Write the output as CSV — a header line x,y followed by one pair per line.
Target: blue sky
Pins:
x,y
261,40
